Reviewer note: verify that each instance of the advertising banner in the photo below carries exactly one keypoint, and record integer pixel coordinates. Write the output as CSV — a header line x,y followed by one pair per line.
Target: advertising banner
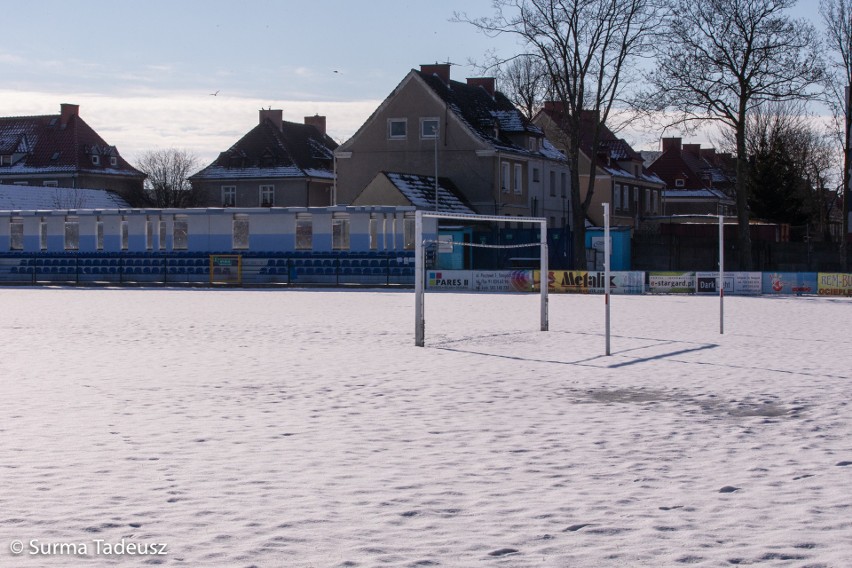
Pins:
x,y
503,280
671,282
834,284
736,283
585,282
480,280
781,283
449,280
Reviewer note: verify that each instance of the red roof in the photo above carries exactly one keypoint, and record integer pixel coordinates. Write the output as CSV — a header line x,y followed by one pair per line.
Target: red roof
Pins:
x,y
58,143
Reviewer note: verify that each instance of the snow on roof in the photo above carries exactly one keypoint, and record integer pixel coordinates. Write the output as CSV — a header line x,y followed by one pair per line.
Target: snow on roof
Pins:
x,y
704,193
221,172
420,191
23,197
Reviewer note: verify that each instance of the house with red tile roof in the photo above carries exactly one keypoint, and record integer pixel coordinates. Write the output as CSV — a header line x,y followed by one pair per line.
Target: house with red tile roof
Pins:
x,y
276,164
621,178
699,181
61,150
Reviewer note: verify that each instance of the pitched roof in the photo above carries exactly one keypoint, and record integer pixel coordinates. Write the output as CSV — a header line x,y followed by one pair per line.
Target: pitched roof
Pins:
x,y
698,168
57,143
24,197
420,192
494,119
294,150
611,149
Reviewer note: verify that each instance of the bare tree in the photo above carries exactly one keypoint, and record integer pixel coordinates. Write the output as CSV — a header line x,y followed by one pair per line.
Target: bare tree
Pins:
x,y
721,59
587,48
167,170
837,18
69,198
525,82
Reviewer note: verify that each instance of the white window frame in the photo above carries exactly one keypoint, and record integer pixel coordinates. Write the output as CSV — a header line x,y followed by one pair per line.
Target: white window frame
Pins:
x,y
16,233
240,232
180,233
680,182
505,172
72,234
304,231
340,231
397,121
519,179
269,190
50,183
96,160
433,133
113,161
99,235
229,191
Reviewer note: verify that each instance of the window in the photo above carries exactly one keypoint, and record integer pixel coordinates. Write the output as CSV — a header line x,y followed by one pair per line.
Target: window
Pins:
x,y
519,179
72,233
654,197
616,197
504,177
304,232
96,160
340,231
428,128
679,182
408,233
397,128
374,232
229,196
241,232
625,198
267,195
647,200
16,234
563,184
149,235
42,235
536,175
50,183
20,183
163,232
113,161
552,184
99,235
180,234
5,160
125,235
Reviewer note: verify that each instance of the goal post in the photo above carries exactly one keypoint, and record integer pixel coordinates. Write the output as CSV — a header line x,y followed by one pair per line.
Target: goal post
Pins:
x,y
420,261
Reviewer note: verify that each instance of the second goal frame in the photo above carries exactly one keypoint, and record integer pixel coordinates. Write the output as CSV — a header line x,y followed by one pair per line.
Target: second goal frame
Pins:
x,y
420,264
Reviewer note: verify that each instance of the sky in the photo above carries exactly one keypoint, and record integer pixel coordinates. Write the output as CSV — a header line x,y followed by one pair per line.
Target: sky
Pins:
x,y
144,73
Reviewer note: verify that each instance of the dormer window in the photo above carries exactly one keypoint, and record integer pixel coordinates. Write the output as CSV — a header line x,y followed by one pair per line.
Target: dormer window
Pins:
x,y
5,160
96,160
113,161
679,182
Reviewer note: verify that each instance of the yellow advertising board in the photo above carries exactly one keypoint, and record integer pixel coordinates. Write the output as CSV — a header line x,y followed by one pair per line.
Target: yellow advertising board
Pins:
x,y
834,284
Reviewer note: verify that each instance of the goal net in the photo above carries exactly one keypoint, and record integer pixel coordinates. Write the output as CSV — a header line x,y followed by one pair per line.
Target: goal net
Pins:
x,y
432,241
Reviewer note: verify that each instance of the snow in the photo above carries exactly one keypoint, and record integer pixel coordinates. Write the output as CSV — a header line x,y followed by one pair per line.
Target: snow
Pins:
x,y
303,428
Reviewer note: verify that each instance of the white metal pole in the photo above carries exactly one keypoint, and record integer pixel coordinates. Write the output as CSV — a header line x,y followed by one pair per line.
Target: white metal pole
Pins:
x,y
544,278
606,271
721,274
419,266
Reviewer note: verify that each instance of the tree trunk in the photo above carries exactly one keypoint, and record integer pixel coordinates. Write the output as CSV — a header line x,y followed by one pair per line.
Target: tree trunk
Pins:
x,y
743,231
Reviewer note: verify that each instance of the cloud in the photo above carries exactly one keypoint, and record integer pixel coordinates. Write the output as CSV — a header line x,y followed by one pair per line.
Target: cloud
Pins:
x,y
198,122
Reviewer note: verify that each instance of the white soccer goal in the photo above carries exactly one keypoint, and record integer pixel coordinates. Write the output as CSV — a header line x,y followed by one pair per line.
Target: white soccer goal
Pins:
x,y
420,264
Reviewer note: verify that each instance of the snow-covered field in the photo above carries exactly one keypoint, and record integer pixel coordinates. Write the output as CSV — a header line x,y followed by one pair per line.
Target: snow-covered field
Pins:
x,y
303,428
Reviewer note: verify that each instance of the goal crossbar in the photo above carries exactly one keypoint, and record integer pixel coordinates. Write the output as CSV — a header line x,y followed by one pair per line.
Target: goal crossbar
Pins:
x,y
420,264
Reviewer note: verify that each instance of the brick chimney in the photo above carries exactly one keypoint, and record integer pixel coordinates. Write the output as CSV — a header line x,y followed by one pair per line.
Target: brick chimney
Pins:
x,y
275,115
317,122
487,83
709,154
66,112
671,144
442,70
693,149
